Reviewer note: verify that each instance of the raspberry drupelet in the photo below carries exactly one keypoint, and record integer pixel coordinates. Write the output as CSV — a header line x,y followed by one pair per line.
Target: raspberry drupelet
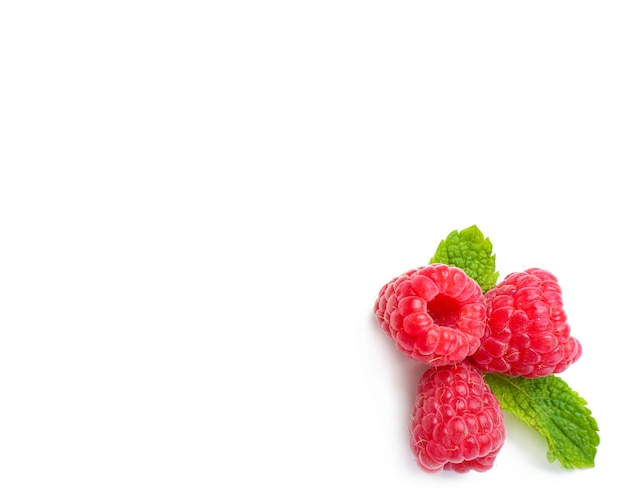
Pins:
x,y
457,423
435,314
527,333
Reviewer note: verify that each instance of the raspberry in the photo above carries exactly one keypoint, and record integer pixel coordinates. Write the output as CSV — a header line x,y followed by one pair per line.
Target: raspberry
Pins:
x,y
435,314
527,333
457,422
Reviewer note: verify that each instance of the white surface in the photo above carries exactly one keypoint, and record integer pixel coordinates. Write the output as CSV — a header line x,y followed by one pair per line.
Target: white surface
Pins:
x,y
199,204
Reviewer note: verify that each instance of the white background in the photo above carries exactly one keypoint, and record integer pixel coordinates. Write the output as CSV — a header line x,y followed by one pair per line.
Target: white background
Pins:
x,y
199,202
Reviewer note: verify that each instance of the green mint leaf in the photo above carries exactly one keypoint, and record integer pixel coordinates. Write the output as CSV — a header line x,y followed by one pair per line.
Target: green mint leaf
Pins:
x,y
558,413
470,251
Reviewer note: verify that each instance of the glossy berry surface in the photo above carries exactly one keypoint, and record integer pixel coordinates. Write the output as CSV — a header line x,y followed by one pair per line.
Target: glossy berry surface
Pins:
x,y
435,314
527,333
457,423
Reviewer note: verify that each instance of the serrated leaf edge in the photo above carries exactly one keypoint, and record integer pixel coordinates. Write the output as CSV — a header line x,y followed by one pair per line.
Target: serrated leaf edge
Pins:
x,y
552,451
472,233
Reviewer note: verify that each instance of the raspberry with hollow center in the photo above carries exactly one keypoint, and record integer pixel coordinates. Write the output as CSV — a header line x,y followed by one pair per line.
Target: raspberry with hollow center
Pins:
x,y
527,333
435,314
444,311
457,423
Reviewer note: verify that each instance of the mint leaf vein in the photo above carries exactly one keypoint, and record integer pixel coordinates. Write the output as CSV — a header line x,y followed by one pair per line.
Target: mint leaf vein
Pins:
x,y
471,251
557,412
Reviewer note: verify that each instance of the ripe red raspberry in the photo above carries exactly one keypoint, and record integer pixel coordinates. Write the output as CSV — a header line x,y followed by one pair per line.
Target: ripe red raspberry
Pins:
x,y
527,333
457,421
434,314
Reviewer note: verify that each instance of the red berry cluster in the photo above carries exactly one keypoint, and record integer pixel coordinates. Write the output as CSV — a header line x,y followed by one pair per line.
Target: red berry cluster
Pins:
x,y
439,316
